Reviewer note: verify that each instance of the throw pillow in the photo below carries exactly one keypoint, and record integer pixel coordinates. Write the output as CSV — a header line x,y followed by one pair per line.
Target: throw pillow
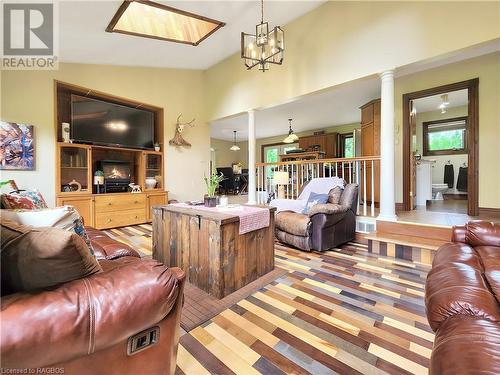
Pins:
x,y
37,258
314,199
334,195
64,217
27,200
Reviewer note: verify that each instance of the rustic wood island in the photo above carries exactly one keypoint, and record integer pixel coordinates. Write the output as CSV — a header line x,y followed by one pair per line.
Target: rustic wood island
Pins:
x,y
207,245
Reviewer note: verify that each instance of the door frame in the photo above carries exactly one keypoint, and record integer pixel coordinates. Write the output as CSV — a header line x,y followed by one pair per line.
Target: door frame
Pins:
x,y
472,86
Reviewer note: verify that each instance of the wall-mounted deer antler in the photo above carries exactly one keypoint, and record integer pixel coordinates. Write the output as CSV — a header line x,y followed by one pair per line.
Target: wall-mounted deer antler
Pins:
x,y
179,128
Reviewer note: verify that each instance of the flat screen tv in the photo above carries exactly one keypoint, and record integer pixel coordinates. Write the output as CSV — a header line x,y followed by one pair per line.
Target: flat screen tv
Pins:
x,y
103,123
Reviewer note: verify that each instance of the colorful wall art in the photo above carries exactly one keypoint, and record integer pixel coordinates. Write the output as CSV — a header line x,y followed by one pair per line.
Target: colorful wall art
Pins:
x,y
17,146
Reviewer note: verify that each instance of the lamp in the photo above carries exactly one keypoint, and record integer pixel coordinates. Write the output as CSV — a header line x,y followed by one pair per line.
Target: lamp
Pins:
x,y
280,178
264,47
291,137
234,147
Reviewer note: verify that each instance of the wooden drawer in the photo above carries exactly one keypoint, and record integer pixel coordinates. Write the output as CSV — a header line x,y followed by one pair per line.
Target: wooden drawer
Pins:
x,y
120,218
119,202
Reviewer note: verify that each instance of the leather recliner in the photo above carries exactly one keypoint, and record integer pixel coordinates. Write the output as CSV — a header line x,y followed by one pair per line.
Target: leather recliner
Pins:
x,y
324,227
462,302
99,324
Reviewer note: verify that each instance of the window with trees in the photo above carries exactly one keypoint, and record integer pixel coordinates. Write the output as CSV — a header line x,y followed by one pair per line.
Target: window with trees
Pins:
x,y
445,137
346,145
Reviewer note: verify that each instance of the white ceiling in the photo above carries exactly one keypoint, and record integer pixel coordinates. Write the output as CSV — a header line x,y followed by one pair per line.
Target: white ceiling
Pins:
x,y
337,106
431,103
83,38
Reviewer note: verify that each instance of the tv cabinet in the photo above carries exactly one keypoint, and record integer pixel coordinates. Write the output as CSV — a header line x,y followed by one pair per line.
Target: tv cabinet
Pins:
x,y
76,165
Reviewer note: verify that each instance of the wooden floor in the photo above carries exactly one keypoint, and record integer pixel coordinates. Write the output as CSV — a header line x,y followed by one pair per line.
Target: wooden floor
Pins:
x,y
200,306
138,237
345,311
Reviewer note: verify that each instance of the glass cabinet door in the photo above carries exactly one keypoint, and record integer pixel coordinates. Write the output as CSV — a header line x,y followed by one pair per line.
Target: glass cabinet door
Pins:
x,y
74,169
153,170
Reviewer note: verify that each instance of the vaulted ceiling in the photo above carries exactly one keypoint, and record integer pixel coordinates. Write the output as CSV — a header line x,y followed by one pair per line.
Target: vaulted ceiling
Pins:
x,y
83,38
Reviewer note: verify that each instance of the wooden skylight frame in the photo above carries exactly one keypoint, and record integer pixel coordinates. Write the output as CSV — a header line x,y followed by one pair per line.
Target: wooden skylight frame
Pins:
x,y
148,19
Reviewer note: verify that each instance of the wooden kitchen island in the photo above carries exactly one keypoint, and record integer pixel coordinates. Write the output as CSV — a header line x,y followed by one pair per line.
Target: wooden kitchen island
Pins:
x,y
207,245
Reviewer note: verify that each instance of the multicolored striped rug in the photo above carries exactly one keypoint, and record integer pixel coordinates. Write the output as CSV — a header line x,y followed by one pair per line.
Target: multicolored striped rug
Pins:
x,y
343,311
138,237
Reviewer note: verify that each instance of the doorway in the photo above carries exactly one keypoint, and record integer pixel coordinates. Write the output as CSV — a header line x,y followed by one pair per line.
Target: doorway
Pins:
x,y
440,148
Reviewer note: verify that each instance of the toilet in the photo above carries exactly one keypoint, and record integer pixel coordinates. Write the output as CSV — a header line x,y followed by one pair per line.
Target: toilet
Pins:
x,y
438,190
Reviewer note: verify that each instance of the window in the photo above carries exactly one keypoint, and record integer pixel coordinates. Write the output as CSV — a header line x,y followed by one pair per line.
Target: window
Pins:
x,y
271,153
445,137
346,149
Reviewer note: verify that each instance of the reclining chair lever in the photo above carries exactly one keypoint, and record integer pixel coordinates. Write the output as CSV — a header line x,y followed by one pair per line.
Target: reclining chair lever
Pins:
x,y
143,340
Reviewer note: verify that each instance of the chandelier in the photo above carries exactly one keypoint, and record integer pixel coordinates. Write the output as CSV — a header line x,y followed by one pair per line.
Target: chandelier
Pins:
x,y
264,47
291,137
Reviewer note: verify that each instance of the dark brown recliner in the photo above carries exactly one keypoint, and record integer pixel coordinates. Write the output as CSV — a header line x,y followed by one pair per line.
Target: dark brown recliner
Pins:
x,y
324,227
462,301
85,326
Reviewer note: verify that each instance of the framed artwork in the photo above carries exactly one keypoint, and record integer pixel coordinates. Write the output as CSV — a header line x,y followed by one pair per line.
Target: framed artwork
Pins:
x,y
17,146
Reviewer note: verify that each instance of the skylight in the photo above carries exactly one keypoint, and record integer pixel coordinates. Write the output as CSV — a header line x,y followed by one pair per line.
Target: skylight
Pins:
x,y
152,20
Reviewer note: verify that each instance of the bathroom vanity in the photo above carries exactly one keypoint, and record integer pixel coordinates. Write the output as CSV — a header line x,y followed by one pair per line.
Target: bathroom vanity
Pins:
x,y
424,181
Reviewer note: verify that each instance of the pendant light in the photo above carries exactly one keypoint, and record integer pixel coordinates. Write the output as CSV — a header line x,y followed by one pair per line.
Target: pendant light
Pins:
x,y
444,103
291,137
264,47
235,147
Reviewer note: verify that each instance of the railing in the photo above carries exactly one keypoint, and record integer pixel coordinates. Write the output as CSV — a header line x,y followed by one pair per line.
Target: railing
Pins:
x,y
365,171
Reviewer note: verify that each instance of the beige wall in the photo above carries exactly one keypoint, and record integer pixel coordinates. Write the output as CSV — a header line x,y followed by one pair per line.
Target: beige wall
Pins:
x,y
342,41
441,160
487,69
223,156
28,97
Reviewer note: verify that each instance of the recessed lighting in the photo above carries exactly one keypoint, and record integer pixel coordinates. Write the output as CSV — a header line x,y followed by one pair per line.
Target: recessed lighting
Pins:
x,y
157,21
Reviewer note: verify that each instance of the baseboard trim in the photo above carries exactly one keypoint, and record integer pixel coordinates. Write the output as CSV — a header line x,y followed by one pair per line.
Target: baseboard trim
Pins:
x,y
486,211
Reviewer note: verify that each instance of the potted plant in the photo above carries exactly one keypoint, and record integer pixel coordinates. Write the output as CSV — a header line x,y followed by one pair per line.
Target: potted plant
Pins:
x,y
212,182
157,146
4,182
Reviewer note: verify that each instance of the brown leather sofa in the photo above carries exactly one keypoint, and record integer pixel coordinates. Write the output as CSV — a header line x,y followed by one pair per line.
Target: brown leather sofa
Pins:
x,y
462,302
99,324
324,227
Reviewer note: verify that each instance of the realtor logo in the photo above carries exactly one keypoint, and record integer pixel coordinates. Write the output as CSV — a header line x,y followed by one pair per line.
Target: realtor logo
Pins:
x,y
28,36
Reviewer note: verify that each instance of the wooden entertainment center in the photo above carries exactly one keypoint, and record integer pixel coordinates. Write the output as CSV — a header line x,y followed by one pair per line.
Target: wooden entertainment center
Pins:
x,y
77,163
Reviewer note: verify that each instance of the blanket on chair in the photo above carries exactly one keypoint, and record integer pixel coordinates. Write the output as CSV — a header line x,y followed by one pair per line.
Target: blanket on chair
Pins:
x,y
321,185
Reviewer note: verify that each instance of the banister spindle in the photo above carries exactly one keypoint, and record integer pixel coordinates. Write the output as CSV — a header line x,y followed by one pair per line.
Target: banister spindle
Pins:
x,y
364,187
373,191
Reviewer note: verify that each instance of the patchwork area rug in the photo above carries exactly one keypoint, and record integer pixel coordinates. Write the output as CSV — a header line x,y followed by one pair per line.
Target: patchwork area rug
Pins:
x,y
345,311
199,306
137,237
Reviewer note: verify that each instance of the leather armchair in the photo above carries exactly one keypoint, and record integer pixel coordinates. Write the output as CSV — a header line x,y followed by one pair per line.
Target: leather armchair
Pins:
x,y
462,296
324,227
99,324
